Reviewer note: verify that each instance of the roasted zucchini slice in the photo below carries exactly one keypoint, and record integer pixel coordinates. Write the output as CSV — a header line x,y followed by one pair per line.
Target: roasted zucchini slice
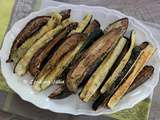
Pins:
x,y
52,23
30,28
23,64
99,75
103,98
144,75
40,55
102,46
83,24
142,60
119,68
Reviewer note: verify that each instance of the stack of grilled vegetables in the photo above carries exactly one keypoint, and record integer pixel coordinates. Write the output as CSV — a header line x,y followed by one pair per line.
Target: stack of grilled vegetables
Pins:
x,y
73,57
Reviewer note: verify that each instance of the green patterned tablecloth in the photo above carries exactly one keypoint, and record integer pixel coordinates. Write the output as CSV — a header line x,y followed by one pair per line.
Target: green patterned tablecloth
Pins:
x,y
138,112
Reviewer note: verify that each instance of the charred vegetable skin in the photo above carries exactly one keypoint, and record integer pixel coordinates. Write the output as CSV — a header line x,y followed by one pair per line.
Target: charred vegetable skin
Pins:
x,y
65,14
60,92
64,50
144,75
36,63
116,24
141,61
93,32
52,74
101,46
30,28
106,95
102,70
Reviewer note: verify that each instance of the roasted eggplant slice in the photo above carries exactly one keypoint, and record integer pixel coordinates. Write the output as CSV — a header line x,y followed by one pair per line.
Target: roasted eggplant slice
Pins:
x,y
121,65
143,58
102,46
31,27
65,14
67,46
41,54
59,92
117,24
103,98
52,23
99,75
23,64
144,75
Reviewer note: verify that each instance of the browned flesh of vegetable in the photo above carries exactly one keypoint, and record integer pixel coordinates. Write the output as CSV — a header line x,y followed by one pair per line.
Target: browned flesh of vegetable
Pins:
x,y
36,63
94,24
59,92
106,95
102,46
117,24
68,45
144,75
65,14
31,27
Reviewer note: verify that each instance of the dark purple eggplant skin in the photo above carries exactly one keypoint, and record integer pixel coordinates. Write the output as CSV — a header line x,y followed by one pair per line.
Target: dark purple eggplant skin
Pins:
x,y
30,28
36,63
143,76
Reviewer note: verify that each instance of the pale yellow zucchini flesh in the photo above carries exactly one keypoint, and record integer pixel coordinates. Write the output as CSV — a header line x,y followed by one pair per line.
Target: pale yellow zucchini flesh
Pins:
x,y
52,23
22,65
99,75
83,24
121,65
143,58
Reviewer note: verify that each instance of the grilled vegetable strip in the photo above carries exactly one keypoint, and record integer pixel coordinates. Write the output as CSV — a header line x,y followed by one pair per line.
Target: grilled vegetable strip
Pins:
x,y
143,58
116,24
99,47
99,75
144,75
30,28
59,92
22,65
49,66
126,70
41,54
57,89
66,47
93,36
83,24
119,68
65,14
52,23
56,72
91,27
